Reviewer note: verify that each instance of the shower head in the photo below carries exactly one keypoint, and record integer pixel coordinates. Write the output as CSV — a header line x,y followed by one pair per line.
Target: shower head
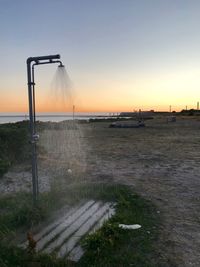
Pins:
x,y
61,65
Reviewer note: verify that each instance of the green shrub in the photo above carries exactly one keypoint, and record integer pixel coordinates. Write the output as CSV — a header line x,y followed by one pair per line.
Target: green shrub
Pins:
x,y
4,165
13,144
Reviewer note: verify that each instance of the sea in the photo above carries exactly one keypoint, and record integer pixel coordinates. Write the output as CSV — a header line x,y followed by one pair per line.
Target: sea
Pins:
x,y
54,117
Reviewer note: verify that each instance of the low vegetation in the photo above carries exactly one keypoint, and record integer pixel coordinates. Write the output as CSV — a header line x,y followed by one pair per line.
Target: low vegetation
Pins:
x,y
110,246
113,246
13,144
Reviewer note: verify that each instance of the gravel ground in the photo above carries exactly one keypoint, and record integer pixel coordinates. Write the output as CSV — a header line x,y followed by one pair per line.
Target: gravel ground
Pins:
x,y
19,178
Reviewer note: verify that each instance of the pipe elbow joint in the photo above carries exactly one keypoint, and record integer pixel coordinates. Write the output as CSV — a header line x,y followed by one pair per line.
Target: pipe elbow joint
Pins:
x,y
29,60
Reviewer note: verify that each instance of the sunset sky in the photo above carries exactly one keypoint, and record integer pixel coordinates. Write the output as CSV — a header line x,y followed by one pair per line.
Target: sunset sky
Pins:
x,y
121,55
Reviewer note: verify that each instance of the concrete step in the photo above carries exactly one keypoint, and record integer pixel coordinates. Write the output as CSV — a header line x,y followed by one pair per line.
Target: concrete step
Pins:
x,y
46,230
71,229
63,227
63,236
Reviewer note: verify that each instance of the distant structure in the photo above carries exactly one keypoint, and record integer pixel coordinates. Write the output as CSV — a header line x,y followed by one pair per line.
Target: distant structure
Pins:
x,y
145,114
190,112
171,119
198,105
127,114
73,112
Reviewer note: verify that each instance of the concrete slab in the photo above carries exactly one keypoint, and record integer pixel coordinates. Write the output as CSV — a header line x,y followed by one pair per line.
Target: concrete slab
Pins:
x,y
73,227
53,225
65,224
84,228
63,236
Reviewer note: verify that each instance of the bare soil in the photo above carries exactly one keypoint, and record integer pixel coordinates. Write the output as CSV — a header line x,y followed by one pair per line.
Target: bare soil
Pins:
x,y
162,163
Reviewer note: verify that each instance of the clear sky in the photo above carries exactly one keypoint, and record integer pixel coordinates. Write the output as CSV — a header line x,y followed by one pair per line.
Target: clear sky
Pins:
x,y
120,54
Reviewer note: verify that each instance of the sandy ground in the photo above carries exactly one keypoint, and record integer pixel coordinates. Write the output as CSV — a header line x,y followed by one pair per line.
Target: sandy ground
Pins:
x,y
160,161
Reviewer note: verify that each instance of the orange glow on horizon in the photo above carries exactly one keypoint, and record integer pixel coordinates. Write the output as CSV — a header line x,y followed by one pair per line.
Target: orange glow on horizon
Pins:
x,y
157,91
22,107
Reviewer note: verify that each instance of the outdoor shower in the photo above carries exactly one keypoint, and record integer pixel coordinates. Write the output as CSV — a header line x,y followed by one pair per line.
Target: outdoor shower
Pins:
x,y
34,137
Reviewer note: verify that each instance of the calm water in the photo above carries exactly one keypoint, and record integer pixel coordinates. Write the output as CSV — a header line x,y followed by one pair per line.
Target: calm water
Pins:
x,y
15,117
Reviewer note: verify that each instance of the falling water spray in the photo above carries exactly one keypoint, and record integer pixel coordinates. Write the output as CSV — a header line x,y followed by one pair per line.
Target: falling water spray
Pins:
x,y
62,144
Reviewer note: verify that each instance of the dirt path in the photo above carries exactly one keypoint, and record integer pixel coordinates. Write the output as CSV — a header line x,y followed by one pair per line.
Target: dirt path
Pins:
x,y
162,162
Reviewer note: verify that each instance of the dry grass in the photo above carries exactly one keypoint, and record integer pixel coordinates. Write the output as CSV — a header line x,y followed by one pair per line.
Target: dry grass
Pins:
x,y
161,162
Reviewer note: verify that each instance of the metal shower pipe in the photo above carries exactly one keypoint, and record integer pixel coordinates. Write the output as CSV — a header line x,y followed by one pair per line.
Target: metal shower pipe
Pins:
x,y
32,118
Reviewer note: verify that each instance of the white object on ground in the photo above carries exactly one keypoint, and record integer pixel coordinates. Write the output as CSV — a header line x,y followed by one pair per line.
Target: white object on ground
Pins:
x,y
69,171
130,226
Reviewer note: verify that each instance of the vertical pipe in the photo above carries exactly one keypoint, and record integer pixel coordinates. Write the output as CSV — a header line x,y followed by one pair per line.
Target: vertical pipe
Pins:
x,y
34,132
31,98
33,148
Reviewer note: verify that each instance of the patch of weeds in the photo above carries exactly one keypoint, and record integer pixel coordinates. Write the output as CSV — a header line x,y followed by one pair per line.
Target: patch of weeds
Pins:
x,y
11,256
112,246
14,146
18,211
